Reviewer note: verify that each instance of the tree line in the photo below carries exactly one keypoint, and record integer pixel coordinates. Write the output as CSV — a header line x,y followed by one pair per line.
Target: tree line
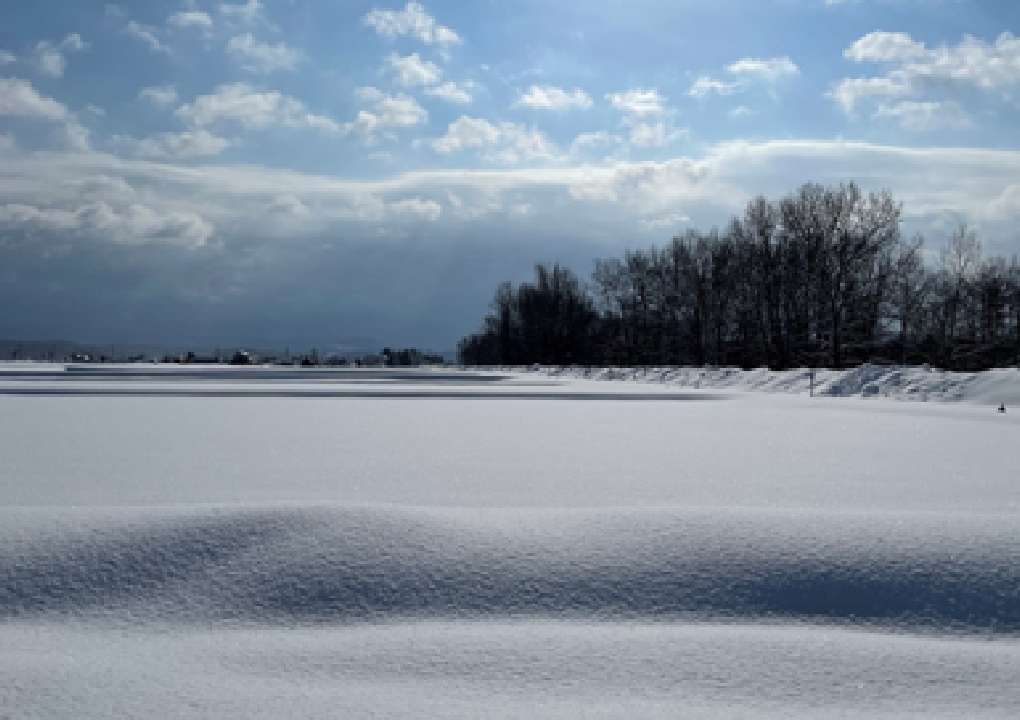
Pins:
x,y
821,278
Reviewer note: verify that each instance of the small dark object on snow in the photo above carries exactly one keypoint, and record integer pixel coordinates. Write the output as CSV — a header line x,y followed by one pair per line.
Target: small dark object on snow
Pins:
x,y
1002,408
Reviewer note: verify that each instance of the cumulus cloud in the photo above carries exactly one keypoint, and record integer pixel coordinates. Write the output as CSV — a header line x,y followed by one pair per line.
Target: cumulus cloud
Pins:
x,y
914,69
385,111
191,18
849,91
247,13
657,134
504,142
638,101
19,99
260,57
135,223
51,59
884,47
161,96
707,85
411,70
549,97
190,143
413,20
769,70
454,92
240,103
745,73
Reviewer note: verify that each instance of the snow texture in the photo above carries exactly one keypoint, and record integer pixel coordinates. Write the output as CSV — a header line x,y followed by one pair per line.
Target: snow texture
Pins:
x,y
263,542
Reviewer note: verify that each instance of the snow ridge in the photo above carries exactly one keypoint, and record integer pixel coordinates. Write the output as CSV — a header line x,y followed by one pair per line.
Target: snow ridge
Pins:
x,y
899,382
937,572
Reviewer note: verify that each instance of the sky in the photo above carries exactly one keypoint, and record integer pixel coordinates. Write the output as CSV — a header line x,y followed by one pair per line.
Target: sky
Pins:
x,y
365,172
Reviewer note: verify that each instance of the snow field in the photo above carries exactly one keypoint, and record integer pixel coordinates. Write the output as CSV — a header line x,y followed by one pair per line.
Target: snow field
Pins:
x,y
224,543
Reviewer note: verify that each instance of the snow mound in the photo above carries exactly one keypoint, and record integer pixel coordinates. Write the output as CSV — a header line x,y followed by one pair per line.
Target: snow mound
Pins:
x,y
942,572
899,382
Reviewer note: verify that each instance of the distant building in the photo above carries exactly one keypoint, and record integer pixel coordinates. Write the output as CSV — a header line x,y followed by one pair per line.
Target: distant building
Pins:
x,y
241,357
194,359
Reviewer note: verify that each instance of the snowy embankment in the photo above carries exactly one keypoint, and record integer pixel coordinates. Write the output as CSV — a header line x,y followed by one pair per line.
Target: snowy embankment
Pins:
x,y
902,383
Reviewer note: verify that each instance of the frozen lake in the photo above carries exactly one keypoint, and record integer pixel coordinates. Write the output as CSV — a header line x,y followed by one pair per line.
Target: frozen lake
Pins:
x,y
271,542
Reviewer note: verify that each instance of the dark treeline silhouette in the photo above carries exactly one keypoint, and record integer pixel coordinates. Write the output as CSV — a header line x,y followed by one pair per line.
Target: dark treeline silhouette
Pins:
x,y
820,278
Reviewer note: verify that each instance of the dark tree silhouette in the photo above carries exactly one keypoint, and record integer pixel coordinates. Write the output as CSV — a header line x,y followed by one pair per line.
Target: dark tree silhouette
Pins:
x,y
822,277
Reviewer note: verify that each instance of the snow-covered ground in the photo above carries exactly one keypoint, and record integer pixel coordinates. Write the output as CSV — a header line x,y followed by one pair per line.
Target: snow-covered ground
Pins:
x,y
267,542
922,383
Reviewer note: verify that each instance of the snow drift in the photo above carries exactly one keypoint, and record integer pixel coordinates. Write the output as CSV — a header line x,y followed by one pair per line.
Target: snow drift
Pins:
x,y
922,383
911,571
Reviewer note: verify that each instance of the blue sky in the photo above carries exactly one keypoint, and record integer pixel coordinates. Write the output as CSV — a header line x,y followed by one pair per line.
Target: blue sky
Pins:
x,y
306,170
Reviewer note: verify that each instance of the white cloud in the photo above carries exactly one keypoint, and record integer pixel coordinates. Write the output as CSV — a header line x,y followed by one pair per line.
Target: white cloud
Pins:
x,y
100,186
96,110
412,70
505,142
133,224
190,143
745,72
922,116
467,132
849,91
191,18
255,56
595,202
549,97
51,60
916,69
429,210
7,58
413,20
454,92
638,101
706,85
386,111
242,104
73,43
600,138
162,96
769,70
659,134
884,47
288,205
247,12
147,35
19,99
740,111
